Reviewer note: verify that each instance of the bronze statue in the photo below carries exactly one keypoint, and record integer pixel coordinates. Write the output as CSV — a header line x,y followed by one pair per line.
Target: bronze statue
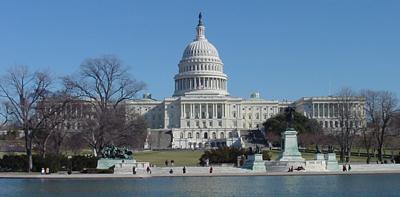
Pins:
x,y
113,152
289,111
257,150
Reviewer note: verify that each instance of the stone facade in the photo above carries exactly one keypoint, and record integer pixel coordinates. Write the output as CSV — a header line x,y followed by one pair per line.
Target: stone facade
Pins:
x,y
329,110
201,113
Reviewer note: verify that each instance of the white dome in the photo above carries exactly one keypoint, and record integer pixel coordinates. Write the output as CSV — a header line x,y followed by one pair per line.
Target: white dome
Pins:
x,y
200,48
200,69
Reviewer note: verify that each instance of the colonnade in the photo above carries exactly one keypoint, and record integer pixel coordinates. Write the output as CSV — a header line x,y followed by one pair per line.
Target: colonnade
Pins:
x,y
203,110
332,110
200,83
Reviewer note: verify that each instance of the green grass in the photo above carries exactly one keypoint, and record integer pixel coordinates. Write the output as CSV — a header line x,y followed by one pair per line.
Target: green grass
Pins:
x,y
11,153
181,158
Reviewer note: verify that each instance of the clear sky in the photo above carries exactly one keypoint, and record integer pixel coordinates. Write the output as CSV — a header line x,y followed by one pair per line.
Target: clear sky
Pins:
x,y
283,49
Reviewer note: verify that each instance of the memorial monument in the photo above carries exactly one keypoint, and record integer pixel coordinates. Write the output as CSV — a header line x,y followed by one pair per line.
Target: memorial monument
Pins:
x,y
255,161
290,151
121,159
113,156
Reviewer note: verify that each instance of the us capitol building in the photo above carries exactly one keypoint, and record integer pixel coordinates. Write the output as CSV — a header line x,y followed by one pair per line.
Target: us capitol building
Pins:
x,y
202,114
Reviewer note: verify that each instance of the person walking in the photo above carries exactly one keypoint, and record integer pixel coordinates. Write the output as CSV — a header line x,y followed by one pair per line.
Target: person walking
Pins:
x,y
133,170
211,169
148,170
166,162
184,170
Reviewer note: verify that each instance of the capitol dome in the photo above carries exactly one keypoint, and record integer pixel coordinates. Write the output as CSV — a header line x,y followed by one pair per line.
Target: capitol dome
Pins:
x,y
200,48
200,69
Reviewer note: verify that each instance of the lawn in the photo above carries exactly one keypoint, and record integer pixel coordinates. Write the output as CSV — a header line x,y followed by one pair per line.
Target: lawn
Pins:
x,y
181,157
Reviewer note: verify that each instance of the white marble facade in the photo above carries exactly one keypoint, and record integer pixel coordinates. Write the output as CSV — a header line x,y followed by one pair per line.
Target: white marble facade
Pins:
x,y
201,113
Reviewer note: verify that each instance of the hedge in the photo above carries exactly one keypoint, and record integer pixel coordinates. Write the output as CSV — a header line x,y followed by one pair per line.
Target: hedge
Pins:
x,y
227,155
19,163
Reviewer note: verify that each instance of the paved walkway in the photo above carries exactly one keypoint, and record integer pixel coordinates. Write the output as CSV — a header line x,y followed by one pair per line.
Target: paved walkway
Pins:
x,y
190,172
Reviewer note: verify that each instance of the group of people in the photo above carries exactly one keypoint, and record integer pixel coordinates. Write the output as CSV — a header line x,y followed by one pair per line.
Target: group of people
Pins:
x,y
348,168
298,168
45,171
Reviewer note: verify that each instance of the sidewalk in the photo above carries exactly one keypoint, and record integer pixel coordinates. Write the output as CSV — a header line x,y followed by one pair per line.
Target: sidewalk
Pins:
x,y
190,172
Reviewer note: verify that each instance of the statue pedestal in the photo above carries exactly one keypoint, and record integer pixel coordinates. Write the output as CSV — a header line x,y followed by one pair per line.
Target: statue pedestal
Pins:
x,y
122,166
255,162
290,150
107,163
319,156
331,162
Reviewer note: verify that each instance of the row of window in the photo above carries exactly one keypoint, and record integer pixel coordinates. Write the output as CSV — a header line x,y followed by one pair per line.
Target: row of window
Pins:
x,y
205,135
204,124
338,124
201,67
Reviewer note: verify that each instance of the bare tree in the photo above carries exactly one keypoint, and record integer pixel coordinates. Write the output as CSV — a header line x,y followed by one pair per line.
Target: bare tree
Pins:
x,y
368,141
350,119
105,84
51,130
4,114
23,91
381,108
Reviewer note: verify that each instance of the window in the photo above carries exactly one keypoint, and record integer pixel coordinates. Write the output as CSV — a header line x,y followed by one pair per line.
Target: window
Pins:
x,y
220,123
181,135
230,135
214,135
205,136
211,123
188,123
189,135
197,135
222,135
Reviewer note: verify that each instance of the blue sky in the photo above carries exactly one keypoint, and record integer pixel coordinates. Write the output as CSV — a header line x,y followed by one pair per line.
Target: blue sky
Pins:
x,y
283,49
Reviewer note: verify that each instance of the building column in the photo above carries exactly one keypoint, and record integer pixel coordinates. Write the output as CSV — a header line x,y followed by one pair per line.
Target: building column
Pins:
x,y
200,111
313,111
214,111
182,116
223,110
207,111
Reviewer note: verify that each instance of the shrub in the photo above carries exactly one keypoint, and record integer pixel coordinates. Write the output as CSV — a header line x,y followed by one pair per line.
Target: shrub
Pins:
x,y
266,155
98,171
80,162
14,163
19,163
222,155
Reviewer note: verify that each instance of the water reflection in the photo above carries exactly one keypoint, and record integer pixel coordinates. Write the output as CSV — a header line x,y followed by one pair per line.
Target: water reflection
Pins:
x,y
354,185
